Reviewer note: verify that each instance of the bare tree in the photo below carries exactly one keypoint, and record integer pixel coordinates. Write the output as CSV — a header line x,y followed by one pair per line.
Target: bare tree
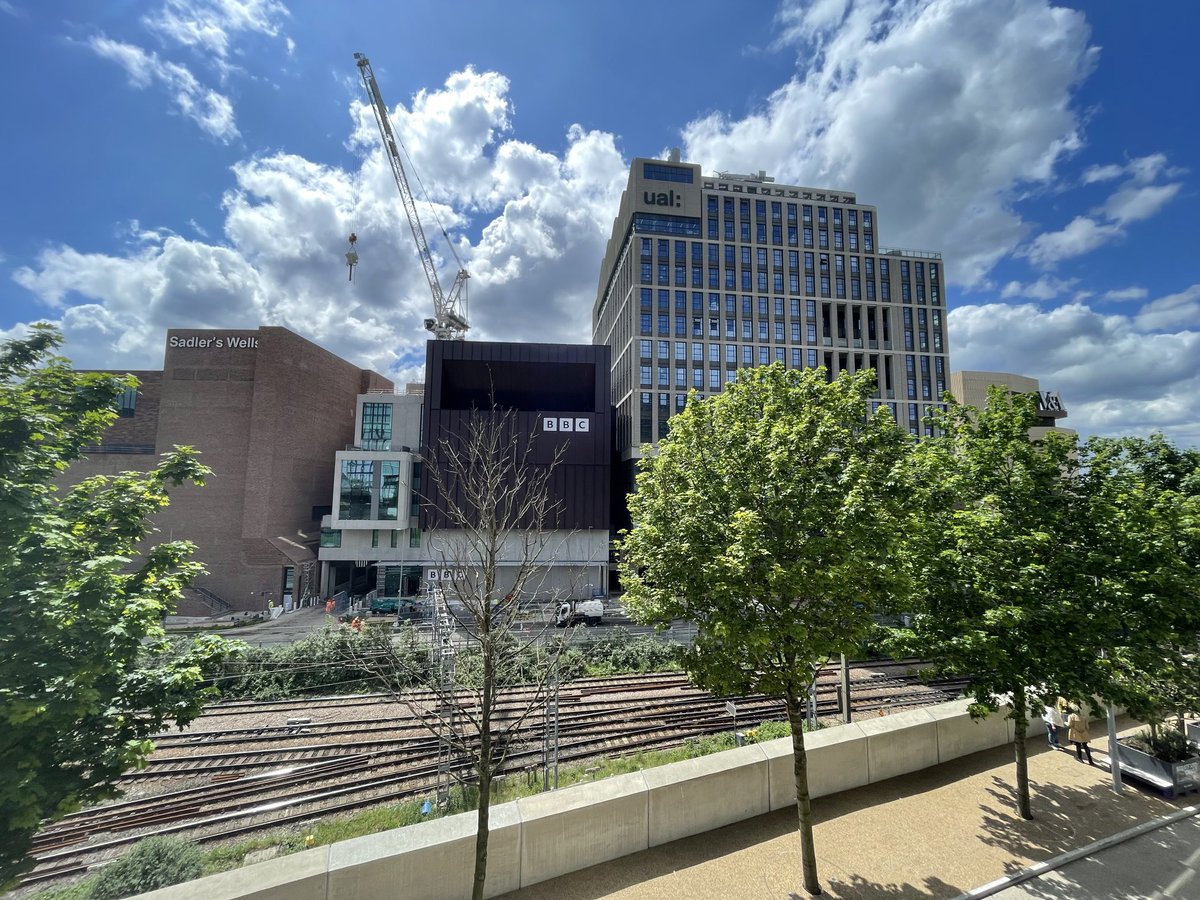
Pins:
x,y
495,531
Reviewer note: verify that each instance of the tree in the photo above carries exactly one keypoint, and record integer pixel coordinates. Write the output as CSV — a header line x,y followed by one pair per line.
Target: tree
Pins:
x,y
1143,498
999,569
496,529
84,675
767,518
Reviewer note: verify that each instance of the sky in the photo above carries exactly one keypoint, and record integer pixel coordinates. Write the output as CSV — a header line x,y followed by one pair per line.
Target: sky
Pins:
x,y
200,164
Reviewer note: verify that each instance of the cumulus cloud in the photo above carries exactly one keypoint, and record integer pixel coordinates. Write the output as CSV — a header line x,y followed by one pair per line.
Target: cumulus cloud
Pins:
x,y
209,109
534,266
939,113
1097,361
1179,310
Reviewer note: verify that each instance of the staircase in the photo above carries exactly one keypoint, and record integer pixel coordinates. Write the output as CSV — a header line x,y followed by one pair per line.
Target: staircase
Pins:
x,y
218,605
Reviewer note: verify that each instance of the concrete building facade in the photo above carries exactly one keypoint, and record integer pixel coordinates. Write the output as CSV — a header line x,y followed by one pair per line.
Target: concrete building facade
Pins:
x,y
267,410
971,389
704,275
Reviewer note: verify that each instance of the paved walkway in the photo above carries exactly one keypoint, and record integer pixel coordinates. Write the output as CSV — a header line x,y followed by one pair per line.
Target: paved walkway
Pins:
x,y
936,833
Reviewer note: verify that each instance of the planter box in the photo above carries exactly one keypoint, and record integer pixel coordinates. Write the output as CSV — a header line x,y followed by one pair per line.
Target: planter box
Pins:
x,y
1174,778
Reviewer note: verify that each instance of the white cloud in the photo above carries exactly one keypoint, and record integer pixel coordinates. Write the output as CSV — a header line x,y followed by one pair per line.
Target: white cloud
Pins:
x,y
1045,288
1179,310
936,112
1092,174
210,110
534,267
1131,204
1135,200
210,25
1081,235
1116,373
1129,293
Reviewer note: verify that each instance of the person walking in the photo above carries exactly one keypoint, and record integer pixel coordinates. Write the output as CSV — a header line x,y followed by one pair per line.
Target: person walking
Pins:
x,y
1054,724
1077,734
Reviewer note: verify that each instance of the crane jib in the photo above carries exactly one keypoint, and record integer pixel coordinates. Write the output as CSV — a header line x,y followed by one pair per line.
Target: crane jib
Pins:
x,y
450,309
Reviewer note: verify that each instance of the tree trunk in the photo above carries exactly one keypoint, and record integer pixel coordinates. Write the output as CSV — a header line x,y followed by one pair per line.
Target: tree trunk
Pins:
x,y
485,766
1021,726
808,853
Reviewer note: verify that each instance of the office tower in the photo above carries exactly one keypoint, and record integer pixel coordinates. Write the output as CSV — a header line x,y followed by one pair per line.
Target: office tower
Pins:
x,y
708,274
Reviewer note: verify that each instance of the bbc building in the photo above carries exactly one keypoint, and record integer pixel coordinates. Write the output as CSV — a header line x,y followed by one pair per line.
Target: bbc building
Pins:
x,y
388,529
704,275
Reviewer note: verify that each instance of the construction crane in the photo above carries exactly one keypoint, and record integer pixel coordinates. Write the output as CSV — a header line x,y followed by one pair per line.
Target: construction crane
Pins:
x,y
449,320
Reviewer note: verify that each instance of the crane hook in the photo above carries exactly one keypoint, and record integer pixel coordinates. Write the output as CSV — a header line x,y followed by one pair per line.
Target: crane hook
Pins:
x,y
351,256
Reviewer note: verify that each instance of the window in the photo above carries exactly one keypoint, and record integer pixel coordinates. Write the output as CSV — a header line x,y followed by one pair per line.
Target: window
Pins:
x,y
127,403
376,431
698,378
374,537
680,376
779,332
358,477
644,323
645,375
331,537
747,356
664,349
414,537
664,375
697,353
731,353
714,379
389,490
714,352
393,538
680,350
795,357
660,172
764,356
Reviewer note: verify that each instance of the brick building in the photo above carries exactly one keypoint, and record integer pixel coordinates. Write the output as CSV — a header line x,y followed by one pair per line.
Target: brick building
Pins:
x,y
268,410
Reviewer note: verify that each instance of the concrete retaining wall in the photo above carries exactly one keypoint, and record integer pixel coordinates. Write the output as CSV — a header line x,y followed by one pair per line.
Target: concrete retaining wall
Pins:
x,y
541,837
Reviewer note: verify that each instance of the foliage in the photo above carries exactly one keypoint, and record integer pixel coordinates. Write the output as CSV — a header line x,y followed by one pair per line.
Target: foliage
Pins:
x,y
1143,497
1169,745
767,517
331,660
84,677
155,862
1000,587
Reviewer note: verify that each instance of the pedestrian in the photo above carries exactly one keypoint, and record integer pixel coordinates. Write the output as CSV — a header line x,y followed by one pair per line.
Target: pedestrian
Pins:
x,y
1054,724
329,607
1077,734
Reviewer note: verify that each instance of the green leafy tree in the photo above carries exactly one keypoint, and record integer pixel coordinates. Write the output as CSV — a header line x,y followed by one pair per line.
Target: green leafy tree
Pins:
x,y
1143,497
767,518
1000,583
81,691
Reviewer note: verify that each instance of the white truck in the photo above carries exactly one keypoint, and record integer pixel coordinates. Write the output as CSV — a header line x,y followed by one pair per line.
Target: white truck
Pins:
x,y
572,612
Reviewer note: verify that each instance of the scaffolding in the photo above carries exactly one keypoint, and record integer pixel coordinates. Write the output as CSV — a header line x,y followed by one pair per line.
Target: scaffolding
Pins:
x,y
443,662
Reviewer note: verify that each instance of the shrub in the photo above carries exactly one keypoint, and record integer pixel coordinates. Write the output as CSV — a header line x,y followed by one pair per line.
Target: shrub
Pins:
x,y
1167,744
156,862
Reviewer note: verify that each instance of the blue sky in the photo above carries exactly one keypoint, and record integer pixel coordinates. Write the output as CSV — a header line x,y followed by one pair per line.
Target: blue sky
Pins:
x,y
199,163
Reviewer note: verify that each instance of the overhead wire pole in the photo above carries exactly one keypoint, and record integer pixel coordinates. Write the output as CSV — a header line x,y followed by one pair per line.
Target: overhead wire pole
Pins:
x,y
449,321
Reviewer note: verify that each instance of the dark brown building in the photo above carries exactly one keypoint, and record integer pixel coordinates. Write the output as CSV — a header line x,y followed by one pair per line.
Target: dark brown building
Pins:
x,y
267,409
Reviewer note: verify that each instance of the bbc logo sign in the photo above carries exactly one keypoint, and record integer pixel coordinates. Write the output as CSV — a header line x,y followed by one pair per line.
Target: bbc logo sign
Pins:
x,y
566,423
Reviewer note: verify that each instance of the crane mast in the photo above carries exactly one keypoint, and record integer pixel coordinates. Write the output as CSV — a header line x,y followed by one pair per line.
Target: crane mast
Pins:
x,y
450,309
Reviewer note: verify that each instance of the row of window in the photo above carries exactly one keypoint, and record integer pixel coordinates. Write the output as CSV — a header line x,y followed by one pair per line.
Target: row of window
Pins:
x,y
332,537
370,489
715,203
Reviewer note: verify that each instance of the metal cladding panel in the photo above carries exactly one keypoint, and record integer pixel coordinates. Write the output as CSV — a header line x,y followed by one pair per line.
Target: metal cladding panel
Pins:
x,y
559,394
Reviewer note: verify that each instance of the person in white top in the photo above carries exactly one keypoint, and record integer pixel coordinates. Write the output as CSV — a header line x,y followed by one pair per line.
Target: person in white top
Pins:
x,y
1053,718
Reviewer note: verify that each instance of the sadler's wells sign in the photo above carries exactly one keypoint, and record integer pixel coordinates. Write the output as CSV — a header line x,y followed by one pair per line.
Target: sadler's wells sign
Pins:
x,y
232,342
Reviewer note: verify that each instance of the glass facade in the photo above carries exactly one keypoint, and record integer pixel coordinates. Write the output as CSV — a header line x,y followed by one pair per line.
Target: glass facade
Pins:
x,y
355,494
376,433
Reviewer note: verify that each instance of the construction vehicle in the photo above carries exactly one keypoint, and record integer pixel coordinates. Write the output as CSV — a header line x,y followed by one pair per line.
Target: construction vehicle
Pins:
x,y
573,612
449,320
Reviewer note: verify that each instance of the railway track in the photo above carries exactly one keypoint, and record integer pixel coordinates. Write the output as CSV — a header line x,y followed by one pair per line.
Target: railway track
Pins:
x,y
339,766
